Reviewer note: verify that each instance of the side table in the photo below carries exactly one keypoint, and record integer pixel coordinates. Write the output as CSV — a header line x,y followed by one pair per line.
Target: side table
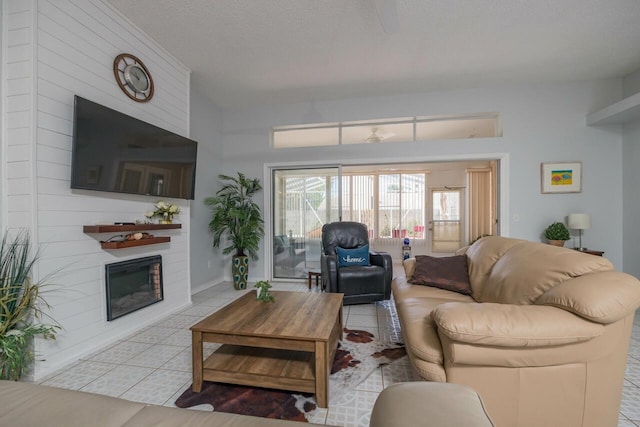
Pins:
x,y
315,274
591,252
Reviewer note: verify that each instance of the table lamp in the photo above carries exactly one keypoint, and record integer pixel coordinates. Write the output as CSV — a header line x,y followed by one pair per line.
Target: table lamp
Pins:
x,y
579,221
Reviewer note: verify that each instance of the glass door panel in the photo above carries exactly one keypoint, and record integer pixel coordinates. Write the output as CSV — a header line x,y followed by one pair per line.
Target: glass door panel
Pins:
x,y
446,222
358,200
389,206
304,200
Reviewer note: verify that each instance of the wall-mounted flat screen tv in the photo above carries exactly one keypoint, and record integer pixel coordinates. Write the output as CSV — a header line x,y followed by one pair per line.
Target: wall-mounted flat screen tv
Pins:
x,y
121,154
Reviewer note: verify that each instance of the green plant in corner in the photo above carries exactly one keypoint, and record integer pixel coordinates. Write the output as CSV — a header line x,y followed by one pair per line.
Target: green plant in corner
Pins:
x,y
557,232
20,301
238,218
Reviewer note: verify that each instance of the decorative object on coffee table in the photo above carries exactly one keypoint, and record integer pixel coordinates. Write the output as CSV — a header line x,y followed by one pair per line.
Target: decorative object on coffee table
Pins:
x,y
238,218
557,233
262,293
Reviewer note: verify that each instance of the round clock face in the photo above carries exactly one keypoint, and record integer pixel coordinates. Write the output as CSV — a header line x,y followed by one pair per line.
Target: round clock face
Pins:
x,y
133,77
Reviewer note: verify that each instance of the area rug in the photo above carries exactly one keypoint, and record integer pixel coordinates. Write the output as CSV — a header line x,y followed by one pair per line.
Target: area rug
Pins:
x,y
357,356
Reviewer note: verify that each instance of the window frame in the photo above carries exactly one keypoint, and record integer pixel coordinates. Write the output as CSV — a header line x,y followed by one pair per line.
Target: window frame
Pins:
x,y
376,123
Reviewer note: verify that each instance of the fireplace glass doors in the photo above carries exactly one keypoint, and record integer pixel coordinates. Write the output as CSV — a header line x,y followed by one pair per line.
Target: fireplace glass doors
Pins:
x,y
132,285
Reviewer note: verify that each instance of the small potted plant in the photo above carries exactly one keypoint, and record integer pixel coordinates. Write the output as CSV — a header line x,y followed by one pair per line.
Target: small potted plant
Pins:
x,y
557,233
262,293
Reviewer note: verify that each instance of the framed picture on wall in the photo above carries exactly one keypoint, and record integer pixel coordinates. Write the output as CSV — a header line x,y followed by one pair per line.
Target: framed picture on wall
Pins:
x,y
561,177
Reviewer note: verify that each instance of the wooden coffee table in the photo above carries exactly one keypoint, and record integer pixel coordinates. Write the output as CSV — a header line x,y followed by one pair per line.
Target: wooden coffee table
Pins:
x,y
288,344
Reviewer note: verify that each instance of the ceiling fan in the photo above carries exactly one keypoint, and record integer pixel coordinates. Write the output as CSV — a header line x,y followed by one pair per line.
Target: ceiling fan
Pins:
x,y
377,136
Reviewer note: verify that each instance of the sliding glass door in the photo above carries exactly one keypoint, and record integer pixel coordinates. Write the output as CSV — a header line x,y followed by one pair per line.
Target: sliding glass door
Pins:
x,y
440,207
303,201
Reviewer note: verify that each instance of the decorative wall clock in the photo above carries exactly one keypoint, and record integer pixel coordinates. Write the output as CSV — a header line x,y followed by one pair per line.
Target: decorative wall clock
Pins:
x,y
133,77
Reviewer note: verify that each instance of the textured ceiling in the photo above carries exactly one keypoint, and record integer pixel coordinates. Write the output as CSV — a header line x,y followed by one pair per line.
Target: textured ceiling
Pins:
x,y
249,52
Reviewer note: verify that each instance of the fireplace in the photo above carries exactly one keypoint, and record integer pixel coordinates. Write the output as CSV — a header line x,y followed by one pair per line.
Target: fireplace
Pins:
x,y
132,285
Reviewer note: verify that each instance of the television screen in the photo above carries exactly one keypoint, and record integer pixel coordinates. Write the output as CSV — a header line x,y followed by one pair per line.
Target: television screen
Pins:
x,y
118,153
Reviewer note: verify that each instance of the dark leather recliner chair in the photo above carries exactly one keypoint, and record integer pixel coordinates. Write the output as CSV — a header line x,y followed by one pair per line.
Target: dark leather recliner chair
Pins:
x,y
359,284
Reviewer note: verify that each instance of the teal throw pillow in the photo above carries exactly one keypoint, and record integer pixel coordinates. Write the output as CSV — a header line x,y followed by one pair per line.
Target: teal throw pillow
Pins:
x,y
350,257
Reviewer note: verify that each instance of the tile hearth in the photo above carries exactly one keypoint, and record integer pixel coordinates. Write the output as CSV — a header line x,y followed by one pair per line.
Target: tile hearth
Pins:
x,y
154,365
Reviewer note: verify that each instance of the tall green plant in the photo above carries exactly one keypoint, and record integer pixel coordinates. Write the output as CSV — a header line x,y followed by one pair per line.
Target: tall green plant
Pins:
x,y
19,307
236,216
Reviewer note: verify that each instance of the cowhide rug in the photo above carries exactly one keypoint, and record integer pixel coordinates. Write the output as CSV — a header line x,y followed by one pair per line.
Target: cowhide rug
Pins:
x,y
357,356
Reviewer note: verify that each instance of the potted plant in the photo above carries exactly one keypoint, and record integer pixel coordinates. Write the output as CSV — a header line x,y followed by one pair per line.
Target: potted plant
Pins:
x,y
20,301
238,218
557,233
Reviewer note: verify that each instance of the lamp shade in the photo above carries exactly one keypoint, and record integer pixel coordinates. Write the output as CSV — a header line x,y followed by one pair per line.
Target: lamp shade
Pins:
x,y
579,221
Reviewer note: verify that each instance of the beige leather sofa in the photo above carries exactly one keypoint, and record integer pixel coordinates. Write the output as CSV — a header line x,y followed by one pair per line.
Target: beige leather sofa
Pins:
x,y
542,338
31,405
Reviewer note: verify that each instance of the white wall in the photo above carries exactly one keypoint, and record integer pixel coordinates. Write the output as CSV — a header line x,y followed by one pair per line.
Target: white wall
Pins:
x,y
55,50
207,266
631,206
3,202
631,160
542,123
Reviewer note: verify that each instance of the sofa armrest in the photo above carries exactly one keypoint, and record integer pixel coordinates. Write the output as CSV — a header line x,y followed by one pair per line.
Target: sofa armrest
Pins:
x,y
383,259
409,266
601,297
329,272
507,325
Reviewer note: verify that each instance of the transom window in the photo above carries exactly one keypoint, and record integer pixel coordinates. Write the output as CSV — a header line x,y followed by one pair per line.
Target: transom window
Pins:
x,y
424,128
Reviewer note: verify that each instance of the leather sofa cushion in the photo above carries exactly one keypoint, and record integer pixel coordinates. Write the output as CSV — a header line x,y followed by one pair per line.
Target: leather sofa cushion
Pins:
x,y
34,405
482,256
419,330
527,270
508,325
604,298
403,290
26,405
170,417
449,273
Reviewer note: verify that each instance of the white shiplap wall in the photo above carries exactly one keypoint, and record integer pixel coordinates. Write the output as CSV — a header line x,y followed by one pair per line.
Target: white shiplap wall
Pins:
x,y
18,66
65,48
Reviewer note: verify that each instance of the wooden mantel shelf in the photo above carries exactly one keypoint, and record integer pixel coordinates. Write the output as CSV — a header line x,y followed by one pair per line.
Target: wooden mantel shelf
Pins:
x,y
111,228
132,243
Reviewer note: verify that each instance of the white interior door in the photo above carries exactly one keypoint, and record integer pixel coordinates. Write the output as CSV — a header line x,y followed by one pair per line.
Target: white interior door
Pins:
x,y
446,225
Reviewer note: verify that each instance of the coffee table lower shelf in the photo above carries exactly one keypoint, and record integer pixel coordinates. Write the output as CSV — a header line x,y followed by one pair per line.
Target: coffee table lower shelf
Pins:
x,y
262,367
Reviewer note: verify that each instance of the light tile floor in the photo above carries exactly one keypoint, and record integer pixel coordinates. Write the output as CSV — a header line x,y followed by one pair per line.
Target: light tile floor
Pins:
x,y
154,365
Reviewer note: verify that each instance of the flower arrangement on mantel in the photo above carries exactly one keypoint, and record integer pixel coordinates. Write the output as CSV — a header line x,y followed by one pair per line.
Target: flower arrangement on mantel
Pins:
x,y
164,212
